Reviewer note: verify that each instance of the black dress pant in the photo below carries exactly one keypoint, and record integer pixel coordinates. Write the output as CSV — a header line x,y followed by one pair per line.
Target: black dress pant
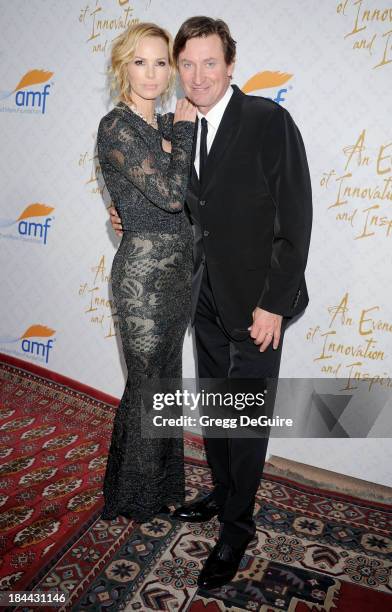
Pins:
x,y
236,463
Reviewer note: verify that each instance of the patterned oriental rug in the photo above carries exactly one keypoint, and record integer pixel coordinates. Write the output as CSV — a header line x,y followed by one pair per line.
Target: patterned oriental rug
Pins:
x,y
316,549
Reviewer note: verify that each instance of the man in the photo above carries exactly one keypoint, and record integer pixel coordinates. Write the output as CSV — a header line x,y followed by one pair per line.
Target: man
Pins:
x,y
249,200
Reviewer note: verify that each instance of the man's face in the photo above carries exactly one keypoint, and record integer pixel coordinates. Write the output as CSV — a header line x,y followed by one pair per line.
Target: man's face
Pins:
x,y
204,73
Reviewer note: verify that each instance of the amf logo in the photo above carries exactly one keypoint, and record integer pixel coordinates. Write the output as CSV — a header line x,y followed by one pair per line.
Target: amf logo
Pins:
x,y
30,94
29,225
271,81
36,342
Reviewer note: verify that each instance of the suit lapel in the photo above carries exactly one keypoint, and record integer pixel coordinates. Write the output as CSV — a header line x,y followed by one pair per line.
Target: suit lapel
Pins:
x,y
227,129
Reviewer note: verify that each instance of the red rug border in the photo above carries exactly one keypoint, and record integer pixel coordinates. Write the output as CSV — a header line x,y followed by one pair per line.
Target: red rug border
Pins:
x,y
328,492
51,560
60,379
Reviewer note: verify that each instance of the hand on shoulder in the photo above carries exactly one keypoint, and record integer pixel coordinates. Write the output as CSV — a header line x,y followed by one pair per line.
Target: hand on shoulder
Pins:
x,y
185,111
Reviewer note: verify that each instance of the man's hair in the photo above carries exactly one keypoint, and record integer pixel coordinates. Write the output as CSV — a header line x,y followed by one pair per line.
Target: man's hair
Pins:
x,y
196,27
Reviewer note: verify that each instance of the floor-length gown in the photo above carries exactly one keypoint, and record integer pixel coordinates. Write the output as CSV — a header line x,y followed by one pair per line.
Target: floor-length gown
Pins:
x,y
151,284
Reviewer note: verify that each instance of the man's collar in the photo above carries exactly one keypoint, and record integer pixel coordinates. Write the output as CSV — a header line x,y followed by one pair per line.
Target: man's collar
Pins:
x,y
215,115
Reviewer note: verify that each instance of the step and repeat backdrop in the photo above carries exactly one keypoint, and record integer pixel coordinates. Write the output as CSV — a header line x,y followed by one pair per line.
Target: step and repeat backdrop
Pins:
x,y
329,63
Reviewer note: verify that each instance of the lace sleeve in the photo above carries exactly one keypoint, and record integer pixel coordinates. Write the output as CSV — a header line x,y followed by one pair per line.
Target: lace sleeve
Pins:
x,y
166,125
120,145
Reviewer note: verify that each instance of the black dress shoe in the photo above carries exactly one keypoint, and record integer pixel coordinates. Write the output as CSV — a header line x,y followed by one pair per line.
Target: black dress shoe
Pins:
x,y
221,566
198,511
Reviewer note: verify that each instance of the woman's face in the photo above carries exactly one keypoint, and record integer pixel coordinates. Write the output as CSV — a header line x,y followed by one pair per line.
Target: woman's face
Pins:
x,y
149,70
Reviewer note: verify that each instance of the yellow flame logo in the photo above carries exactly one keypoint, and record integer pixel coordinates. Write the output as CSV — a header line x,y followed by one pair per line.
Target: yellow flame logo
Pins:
x,y
266,79
35,210
33,77
38,331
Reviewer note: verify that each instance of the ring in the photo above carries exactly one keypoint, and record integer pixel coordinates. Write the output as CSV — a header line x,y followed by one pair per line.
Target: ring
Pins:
x,y
269,334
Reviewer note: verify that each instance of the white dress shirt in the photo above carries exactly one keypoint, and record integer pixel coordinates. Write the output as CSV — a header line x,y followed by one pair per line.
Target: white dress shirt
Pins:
x,y
213,117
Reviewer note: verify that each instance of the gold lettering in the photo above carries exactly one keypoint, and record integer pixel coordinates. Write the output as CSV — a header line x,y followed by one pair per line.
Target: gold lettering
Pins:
x,y
93,15
366,234
326,176
345,216
82,158
362,321
365,351
381,157
100,47
341,309
365,44
97,319
356,29
330,369
82,289
357,375
91,309
384,60
82,15
112,328
357,148
323,354
340,180
341,7
100,269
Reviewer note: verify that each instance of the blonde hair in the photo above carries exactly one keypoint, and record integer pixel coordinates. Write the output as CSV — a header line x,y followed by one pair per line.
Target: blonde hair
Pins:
x,y
123,51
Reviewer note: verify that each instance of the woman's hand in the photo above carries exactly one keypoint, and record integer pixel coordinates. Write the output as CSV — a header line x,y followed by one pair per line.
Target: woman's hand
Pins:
x,y
185,111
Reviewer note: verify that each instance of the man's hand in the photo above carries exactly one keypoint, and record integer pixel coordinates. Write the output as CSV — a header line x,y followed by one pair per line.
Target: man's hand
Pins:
x,y
266,327
115,221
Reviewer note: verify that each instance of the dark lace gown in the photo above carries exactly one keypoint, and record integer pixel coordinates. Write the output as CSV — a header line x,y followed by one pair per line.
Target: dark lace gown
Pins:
x,y
151,284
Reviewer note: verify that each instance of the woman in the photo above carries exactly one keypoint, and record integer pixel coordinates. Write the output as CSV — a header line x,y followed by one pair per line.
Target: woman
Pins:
x,y
146,176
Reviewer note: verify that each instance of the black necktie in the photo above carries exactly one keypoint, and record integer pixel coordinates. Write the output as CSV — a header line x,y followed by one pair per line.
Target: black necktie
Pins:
x,y
203,149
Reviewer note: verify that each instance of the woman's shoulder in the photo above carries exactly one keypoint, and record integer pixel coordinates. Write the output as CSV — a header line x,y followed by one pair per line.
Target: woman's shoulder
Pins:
x,y
115,113
113,122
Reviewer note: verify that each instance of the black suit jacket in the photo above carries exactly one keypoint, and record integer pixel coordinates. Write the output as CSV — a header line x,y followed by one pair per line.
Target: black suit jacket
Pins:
x,y
252,216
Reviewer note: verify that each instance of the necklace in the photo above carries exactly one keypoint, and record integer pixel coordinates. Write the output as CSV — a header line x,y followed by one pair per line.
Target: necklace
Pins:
x,y
153,123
